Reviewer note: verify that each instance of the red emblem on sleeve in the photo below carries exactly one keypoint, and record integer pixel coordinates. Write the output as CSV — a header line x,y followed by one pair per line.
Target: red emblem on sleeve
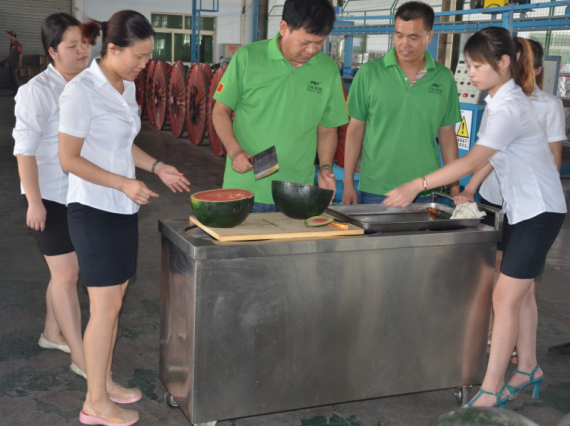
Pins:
x,y
220,88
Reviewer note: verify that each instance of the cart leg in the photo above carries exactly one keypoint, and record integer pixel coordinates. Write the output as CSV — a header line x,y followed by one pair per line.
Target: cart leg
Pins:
x,y
462,394
169,399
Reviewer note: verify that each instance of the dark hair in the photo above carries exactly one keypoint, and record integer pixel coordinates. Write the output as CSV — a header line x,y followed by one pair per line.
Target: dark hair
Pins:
x,y
53,28
538,53
123,29
314,16
490,44
413,10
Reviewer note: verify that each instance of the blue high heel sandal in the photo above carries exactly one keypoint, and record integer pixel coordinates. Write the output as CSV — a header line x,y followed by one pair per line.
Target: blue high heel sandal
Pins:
x,y
500,402
513,391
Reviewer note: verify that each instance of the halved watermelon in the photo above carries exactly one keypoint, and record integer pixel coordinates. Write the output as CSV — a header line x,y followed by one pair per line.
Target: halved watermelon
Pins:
x,y
222,208
318,221
299,201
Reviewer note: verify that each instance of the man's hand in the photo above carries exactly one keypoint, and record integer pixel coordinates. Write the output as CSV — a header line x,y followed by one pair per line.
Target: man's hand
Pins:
x,y
454,189
241,163
349,195
326,180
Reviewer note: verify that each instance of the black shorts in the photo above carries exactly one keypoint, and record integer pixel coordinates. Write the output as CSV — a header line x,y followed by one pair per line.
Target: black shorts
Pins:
x,y
106,244
54,240
489,219
526,244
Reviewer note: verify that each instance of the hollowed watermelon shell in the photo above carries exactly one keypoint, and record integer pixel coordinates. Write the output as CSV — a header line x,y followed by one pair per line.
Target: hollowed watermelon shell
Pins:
x,y
299,201
318,221
222,208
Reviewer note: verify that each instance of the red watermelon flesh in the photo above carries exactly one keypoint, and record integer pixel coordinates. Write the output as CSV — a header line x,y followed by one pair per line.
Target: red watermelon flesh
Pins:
x,y
318,221
218,195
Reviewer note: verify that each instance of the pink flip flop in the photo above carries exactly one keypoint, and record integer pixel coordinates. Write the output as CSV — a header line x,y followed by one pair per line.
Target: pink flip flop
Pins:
x,y
133,395
128,418
125,401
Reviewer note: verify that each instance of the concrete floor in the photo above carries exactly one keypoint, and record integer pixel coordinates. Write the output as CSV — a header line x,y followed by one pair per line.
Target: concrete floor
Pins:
x,y
36,386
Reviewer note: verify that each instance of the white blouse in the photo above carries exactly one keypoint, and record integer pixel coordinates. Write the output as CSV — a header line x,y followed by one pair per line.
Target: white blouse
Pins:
x,y
91,108
529,182
36,131
550,113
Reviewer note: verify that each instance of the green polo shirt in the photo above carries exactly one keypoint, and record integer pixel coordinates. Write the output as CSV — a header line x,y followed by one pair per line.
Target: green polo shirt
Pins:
x,y
276,104
401,122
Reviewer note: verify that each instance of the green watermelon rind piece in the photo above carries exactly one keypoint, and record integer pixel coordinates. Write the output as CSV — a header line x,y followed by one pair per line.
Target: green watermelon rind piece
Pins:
x,y
300,201
220,213
318,221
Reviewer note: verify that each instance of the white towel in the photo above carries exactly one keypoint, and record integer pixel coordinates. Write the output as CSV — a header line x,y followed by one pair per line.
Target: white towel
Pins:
x,y
468,210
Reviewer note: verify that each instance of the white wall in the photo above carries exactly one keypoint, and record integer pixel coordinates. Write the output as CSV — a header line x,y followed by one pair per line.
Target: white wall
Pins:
x,y
228,22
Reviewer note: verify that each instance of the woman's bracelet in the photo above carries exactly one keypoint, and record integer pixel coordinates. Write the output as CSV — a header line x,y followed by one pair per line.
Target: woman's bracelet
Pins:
x,y
325,166
154,166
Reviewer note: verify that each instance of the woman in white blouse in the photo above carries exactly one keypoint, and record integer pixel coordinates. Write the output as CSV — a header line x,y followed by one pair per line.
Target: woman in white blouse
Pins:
x,y
98,123
550,113
44,182
515,145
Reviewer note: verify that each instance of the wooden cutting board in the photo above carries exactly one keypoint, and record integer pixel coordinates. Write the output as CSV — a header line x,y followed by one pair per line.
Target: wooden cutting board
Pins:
x,y
267,226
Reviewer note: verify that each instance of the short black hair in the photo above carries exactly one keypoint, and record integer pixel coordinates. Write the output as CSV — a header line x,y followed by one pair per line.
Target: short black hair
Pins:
x,y
314,16
416,10
53,28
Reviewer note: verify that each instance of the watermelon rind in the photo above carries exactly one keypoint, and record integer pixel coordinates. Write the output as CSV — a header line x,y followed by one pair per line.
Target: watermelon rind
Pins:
x,y
222,214
299,201
318,221
483,416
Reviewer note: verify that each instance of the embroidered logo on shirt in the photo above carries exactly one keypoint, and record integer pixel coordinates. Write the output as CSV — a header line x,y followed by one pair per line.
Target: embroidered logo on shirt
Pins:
x,y
315,87
435,88
220,88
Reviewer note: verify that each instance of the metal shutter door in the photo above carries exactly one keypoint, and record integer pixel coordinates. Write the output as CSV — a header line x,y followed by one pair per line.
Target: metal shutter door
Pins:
x,y
25,17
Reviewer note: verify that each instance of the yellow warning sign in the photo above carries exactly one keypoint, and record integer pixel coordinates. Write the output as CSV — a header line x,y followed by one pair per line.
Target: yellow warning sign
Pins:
x,y
463,132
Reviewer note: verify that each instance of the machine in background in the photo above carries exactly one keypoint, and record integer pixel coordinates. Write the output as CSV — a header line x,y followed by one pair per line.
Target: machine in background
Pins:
x,y
472,105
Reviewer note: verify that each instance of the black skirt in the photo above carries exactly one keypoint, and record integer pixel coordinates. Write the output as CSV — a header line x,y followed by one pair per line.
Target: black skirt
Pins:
x,y
106,244
54,240
526,244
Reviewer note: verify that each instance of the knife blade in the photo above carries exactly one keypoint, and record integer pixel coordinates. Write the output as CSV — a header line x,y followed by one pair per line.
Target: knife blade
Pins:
x,y
265,163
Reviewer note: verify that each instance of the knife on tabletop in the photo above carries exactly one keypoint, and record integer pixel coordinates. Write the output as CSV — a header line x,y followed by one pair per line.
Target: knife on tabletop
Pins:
x,y
265,163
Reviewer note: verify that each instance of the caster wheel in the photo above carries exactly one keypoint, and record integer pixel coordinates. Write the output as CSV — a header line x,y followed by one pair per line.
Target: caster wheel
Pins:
x,y
462,394
169,399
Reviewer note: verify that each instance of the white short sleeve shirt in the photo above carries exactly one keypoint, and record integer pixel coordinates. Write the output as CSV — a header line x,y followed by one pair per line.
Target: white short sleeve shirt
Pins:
x,y
36,131
91,108
550,113
529,182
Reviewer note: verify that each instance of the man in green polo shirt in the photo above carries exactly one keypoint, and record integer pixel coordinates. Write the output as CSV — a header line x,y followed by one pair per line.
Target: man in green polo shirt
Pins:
x,y
284,92
399,104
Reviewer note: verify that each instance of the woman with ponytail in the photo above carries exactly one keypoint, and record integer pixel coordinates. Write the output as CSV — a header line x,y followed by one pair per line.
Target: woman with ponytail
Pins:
x,y
511,141
550,113
99,121
44,183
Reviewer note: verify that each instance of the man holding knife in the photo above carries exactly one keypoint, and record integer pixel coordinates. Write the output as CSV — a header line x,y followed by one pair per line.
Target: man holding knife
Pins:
x,y
397,105
284,93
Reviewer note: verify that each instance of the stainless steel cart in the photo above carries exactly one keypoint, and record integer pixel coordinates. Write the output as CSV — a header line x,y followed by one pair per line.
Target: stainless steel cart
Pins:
x,y
267,326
